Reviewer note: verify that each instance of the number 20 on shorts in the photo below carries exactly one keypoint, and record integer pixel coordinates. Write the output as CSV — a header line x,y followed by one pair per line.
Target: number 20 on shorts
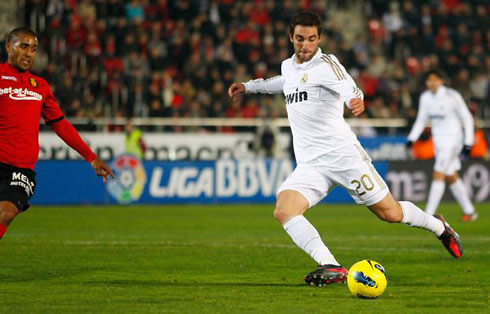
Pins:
x,y
363,185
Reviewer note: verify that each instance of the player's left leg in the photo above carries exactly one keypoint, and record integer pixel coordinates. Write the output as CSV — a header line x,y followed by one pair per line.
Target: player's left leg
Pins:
x,y
367,187
388,209
461,195
8,211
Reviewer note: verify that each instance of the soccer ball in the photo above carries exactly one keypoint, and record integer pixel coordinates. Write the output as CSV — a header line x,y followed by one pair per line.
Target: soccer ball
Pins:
x,y
367,279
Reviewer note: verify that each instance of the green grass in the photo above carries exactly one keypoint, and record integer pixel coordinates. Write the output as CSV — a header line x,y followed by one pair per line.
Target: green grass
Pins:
x,y
228,259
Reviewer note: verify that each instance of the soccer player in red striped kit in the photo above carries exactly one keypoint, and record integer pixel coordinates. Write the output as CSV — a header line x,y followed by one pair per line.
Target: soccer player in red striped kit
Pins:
x,y
24,99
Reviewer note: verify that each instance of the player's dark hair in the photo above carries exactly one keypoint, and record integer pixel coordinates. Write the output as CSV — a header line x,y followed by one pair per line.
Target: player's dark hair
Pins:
x,y
20,30
436,72
306,18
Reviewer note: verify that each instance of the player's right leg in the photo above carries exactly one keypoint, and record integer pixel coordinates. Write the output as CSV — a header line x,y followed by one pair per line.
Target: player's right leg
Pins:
x,y
17,186
8,211
289,211
300,191
436,191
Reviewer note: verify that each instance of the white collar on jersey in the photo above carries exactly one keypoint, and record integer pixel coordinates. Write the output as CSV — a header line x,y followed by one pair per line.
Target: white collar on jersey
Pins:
x,y
440,91
306,64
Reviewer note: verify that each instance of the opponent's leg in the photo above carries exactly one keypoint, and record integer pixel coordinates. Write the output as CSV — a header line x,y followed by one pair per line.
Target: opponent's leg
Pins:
x,y
8,211
435,194
289,210
408,213
462,197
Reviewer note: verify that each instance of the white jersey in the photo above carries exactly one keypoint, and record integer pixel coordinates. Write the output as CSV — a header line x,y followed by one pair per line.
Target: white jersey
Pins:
x,y
315,94
447,113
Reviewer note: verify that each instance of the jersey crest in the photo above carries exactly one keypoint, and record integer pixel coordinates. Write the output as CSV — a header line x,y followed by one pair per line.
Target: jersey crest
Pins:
x,y
304,79
33,82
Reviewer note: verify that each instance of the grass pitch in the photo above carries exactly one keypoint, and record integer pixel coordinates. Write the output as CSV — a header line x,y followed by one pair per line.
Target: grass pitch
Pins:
x,y
229,259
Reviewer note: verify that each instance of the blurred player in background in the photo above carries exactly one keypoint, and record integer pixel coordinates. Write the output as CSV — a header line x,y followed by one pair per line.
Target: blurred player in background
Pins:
x,y
24,99
316,87
448,114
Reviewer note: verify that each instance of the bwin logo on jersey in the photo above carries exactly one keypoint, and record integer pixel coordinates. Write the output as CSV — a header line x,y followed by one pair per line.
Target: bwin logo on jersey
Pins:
x,y
437,116
296,97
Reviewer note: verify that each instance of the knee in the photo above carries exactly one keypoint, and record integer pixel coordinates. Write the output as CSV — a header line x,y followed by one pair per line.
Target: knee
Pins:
x,y
388,210
7,214
281,214
451,179
438,176
284,213
289,204
391,214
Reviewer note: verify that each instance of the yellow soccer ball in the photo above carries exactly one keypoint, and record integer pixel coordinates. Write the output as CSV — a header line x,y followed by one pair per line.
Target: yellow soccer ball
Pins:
x,y
367,279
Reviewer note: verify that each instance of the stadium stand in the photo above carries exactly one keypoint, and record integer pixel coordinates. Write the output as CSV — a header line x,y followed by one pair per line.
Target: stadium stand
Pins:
x,y
145,58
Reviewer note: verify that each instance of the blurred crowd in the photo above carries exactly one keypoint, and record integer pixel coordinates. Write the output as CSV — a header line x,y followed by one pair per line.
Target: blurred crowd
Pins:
x,y
159,58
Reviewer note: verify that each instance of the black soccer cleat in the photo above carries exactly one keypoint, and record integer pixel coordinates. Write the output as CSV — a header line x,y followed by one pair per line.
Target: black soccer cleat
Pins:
x,y
450,239
326,274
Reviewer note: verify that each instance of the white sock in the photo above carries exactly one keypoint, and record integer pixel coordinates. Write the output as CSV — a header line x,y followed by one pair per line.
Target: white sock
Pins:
x,y
307,238
435,194
415,217
461,195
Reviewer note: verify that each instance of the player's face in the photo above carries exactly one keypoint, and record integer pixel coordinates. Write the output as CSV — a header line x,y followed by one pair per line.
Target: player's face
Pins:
x,y
305,41
21,51
433,82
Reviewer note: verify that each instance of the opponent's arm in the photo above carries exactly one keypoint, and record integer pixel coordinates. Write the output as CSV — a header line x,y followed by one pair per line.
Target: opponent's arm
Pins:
x,y
53,117
420,122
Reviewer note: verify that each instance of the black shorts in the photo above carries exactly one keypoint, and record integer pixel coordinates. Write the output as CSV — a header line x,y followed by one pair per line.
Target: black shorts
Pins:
x,y
17,185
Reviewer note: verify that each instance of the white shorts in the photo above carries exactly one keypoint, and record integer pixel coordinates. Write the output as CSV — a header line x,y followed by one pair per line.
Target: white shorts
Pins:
x,y
447,160
349,167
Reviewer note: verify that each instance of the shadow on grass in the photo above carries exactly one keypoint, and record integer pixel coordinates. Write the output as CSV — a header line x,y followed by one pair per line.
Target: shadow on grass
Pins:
x,y
25,275
163,283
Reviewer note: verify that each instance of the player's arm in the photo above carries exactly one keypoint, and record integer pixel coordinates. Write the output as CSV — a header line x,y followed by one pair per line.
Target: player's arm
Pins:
x,y
337,79
420,122
53,117
466,118
272,85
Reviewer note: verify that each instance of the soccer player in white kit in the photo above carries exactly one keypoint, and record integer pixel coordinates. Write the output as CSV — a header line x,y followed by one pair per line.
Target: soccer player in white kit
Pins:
x,y
316,86
447,112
